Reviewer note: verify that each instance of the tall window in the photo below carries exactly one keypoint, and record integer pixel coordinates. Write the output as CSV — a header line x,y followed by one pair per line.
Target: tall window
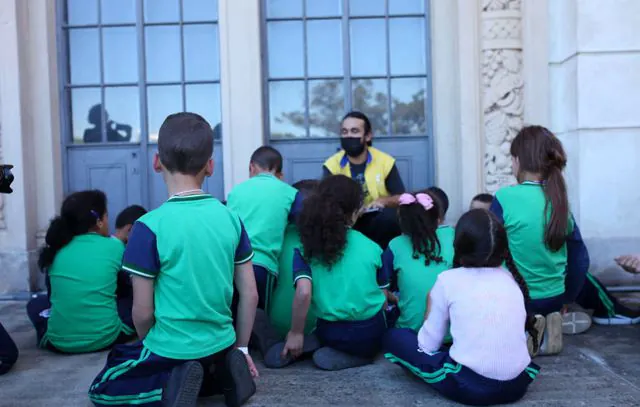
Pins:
x,y
133,62
326,57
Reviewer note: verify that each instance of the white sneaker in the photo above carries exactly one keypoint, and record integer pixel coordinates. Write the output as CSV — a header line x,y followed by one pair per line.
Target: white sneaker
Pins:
x,y
539,325
616,320
575,322
552,340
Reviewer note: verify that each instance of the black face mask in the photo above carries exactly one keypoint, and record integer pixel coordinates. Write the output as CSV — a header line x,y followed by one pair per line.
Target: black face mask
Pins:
x,y
352,146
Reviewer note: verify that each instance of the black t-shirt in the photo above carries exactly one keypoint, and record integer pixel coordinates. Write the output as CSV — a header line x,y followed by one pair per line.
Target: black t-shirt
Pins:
x,y
394,183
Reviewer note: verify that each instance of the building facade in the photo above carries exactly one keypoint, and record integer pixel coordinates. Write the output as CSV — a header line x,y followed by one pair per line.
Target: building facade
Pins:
x,y
85,85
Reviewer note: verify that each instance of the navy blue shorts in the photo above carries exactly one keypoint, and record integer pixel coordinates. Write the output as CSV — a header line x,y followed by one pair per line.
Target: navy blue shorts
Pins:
x,y
449,377
358,338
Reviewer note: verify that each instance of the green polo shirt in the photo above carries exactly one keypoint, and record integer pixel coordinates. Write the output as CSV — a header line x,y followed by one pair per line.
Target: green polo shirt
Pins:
x,y
189,247
350,290
282,300
523,211
415,279
264,204
84,313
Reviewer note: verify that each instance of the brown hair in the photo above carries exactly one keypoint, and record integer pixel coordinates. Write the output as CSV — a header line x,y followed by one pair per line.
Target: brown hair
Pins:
x,y
539,151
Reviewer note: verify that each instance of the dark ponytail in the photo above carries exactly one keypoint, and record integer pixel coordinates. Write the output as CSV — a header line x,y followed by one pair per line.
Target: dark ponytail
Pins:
x,y
326,215
529,324
79,214
540,152
421,225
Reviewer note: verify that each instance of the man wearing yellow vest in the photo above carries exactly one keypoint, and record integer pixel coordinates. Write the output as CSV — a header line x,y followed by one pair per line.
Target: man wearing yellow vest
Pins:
x,y
375,171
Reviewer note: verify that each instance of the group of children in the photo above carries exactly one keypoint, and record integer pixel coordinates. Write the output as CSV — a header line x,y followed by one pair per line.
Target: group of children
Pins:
x,y
281,267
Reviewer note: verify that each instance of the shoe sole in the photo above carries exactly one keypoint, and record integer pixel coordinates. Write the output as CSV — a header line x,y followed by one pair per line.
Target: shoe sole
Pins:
x,y
189,386
553,334
539,325
274,360
574,323
617,320
243,384
330,359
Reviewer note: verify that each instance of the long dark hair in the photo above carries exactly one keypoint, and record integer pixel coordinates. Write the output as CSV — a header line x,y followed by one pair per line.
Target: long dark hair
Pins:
x,y
539,151
79,214
481,241
326,215
421,225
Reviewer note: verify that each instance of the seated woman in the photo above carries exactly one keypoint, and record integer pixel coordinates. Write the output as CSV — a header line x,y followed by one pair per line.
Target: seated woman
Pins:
x,y
340,270
489,361
375,172
81,313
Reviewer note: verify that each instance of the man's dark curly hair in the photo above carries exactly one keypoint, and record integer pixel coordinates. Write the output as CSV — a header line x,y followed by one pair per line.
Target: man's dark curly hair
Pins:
x,y
326,215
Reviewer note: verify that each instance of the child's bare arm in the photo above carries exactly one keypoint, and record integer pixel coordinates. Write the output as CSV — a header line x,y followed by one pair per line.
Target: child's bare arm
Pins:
x,y
143,305
300,308
246,283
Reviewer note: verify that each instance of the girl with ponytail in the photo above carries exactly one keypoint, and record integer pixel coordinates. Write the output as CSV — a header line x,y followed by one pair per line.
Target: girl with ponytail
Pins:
x,y
81,262
484,303
338,269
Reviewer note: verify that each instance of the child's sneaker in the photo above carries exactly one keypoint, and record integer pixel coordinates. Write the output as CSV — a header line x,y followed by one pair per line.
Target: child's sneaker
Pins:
x,y
552,340
617,319
575,321
242,384
184,385
273,359
331,359
539,325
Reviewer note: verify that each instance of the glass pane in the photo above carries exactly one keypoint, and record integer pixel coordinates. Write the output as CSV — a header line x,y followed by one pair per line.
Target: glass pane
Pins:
x,y
82,12
284,8
286,109
286,49
161,102
201,52
407,104
199,10
407,46
120,54
205,100
158,11
406,6
324,8
86,115
163,53
324,48
122,106
84,56
368,47
326,107
118,11
370,97
366,7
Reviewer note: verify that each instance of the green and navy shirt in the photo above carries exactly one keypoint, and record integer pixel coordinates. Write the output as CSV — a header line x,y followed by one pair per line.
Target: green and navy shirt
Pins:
x,y
414,278
83,278
189,246
265,204
522,210
350,290
282,300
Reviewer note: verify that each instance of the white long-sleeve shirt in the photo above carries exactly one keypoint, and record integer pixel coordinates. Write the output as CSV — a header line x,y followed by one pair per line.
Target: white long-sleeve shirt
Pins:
x,y
487,314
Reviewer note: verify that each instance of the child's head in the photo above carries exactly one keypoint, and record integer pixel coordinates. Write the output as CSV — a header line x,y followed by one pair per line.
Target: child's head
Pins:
x,y
326,215
443,201
306,187
481,201
185,146
538,155
81,213
126,219
266,159
419,217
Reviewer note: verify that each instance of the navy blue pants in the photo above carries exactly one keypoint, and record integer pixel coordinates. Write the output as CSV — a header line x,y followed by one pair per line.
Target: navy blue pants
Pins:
x,y
265,283
134,375
357,338
8,351
450,378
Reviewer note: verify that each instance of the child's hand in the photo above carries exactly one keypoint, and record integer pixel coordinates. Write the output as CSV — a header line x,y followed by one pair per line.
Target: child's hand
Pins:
x,y
629,263
294,344
252,366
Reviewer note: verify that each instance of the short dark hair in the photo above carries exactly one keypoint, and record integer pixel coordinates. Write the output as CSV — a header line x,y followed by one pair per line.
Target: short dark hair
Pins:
x,y
129,216
354,114
484,198
268,158
443,200
306,186
185,143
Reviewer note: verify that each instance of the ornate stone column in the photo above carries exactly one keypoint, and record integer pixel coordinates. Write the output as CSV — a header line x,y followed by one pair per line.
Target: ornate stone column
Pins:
x,y
502,84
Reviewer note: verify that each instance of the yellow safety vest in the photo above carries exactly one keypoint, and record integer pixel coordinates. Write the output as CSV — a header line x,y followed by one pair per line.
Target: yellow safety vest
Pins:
x,y
378,167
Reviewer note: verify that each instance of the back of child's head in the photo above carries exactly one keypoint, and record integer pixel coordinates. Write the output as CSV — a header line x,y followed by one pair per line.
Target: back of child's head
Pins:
x,y
306,186
267,158
482,201
419,217
185,143
326,215
129,216
538,151
79,214
443,200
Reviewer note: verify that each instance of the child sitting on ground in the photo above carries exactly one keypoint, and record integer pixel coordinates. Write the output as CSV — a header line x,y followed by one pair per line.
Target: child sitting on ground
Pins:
x,y
8,351
484,304
342,268
481,201
125,221
184,258
81,312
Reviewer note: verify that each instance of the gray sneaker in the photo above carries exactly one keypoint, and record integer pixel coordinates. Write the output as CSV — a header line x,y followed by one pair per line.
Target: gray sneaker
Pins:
x,y
273,358
183,386
327,358
575,322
